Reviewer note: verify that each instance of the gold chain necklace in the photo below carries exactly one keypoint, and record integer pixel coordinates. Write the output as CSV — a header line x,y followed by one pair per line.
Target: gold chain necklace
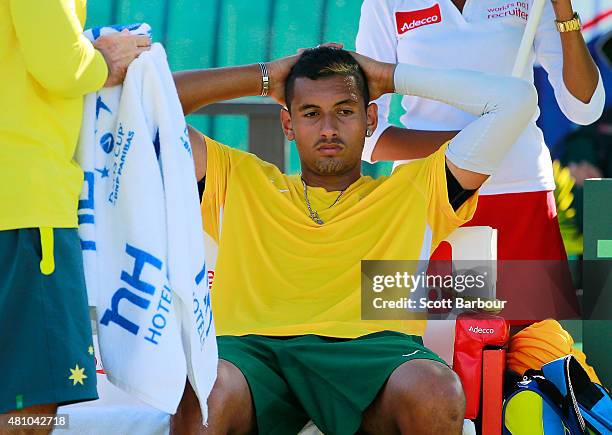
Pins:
x,y
314,215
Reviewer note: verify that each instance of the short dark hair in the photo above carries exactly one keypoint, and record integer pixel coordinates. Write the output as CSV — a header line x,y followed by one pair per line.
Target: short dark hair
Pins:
x,y
315,63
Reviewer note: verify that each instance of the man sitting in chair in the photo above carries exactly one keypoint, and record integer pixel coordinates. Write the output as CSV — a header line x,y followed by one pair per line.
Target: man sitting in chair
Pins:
x,y
286,292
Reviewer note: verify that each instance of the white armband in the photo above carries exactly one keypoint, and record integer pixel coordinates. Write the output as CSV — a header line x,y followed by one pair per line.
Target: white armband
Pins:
x,y
505,105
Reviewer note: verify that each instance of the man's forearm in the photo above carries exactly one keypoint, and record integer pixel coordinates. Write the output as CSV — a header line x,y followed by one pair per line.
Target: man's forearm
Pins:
x,y
197,88
504,106
406,144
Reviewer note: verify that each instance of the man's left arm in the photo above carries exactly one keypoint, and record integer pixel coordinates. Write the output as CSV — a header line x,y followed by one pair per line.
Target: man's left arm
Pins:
x,y
504,106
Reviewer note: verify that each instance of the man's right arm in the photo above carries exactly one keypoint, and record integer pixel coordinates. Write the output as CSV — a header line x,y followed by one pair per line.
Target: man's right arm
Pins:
x,y
198,88
198,147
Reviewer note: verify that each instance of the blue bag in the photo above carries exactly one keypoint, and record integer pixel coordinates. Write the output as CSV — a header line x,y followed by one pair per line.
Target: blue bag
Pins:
x,y
591,401
560,399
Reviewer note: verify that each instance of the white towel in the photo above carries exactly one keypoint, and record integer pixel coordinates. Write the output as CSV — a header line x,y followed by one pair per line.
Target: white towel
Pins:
x,y
142,239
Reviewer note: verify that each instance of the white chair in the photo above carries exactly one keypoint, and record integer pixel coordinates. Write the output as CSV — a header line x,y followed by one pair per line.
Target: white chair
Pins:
x,y
472,247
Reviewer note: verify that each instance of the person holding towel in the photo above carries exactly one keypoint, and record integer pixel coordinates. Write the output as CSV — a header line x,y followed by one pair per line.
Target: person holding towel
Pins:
x,y
47,67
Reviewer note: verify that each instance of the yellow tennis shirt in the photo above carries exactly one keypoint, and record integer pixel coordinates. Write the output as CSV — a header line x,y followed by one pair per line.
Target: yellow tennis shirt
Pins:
x,y
276,272
46,67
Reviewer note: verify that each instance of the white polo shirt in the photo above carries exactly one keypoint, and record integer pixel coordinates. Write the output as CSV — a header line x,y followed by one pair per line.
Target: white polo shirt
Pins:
x,y
485,37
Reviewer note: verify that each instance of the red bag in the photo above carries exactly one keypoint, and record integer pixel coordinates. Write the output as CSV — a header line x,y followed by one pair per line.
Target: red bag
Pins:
x,y
473,333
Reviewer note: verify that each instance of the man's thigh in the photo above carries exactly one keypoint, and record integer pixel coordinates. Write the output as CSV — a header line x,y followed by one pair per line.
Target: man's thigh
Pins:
x,y
335,380
277,409
45,331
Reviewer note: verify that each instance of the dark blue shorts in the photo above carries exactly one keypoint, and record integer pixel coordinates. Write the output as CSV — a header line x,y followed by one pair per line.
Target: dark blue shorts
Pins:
x,y
46,347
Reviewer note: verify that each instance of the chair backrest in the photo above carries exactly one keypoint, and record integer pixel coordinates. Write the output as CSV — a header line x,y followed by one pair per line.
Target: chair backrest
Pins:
x,y
474,247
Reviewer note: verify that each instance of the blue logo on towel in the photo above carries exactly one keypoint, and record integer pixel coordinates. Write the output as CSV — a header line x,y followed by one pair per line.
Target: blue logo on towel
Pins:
x,y
107,142
101,106
96,32
185,141
103,172
140,293
87,203
202,310
201,274
121,148
156,143
135,282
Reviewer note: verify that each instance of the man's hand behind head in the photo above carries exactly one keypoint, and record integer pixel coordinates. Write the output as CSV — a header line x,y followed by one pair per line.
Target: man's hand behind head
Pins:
x,y
378,74
119,50
279,70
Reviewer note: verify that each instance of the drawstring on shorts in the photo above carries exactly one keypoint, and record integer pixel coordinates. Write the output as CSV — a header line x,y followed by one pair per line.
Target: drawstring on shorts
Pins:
x,y
47,263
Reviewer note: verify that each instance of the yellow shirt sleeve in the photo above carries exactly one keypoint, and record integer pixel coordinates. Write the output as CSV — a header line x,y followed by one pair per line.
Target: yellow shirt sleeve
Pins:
x,y
442,218
56,53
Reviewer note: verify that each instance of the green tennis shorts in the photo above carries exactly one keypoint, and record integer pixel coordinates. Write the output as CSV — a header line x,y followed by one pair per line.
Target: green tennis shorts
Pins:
x,y
329,380
46,348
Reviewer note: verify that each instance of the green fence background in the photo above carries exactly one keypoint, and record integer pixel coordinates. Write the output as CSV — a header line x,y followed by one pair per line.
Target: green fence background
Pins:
x,y
217,33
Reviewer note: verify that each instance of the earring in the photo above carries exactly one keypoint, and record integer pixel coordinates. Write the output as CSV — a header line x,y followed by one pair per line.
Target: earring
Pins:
x,y
368,132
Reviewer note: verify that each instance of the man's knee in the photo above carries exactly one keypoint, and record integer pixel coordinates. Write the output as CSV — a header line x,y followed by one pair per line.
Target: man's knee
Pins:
x,y
428,394
229,406
231,391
